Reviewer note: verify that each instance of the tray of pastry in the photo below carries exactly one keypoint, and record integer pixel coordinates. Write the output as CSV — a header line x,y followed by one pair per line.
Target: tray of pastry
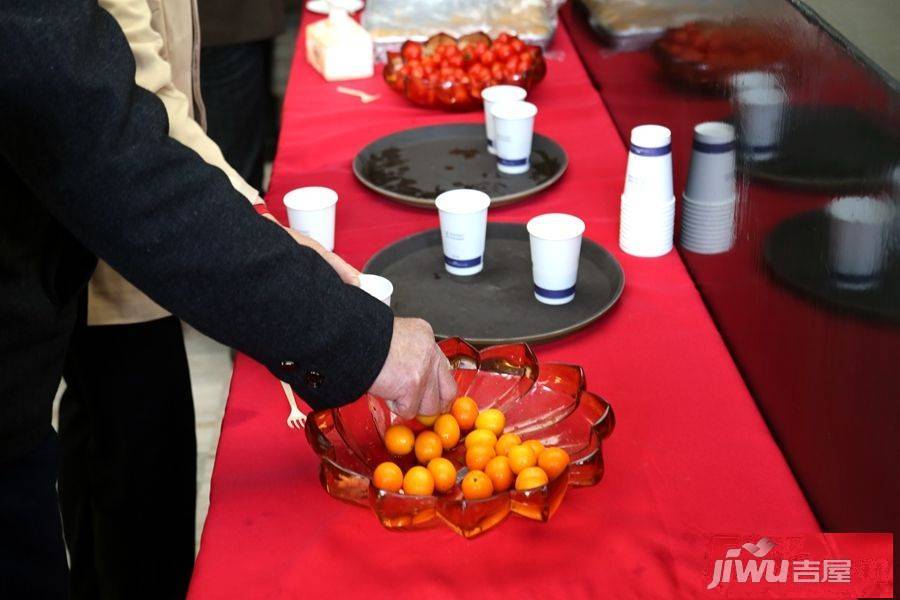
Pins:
x,y
392,22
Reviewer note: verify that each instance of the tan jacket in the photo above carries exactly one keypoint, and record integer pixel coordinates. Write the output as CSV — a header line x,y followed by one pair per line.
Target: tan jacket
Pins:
x,y
164,38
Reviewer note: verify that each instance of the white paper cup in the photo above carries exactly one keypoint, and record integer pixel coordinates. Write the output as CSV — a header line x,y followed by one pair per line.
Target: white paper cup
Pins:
x,y
711,175
497,94
859,235
311,211
648,176
761,119
752,80
463,216
377,286
555,240
514,129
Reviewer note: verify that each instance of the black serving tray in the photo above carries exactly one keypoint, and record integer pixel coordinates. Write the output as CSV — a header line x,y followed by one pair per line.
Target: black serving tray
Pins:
x,y
414,166
831,148
496,306
797,253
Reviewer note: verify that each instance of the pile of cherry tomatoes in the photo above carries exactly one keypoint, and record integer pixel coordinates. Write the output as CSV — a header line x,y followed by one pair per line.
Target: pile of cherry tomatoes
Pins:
x,y
447,73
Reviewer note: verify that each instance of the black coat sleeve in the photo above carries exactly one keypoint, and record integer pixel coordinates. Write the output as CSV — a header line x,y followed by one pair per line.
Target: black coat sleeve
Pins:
x,y
94,149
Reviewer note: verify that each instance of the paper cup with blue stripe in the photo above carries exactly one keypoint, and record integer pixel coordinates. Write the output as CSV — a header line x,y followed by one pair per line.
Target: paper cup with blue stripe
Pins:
x,y
648,176
514,130
555,240
761,120
711,175
859,241
497,94
463,216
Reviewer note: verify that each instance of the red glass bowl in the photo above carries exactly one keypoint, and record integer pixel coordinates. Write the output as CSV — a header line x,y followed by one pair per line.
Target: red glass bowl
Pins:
x,y
705,54
543,402
432,92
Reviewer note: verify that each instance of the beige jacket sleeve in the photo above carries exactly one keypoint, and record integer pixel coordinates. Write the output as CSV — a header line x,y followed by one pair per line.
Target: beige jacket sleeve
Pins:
x,y
154,73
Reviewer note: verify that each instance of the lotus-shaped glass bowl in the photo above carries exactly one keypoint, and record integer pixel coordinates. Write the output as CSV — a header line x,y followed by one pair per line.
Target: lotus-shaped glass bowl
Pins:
x,y
543,402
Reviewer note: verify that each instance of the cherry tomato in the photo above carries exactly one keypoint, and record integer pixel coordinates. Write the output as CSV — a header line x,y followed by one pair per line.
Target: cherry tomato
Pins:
x,y
497,71
456,60
417,72
411,50
480,48
487,58
503,38
450,51
502,51
517,45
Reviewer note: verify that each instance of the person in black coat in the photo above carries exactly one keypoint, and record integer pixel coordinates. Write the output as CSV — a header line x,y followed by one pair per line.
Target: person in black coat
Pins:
x,y
87,169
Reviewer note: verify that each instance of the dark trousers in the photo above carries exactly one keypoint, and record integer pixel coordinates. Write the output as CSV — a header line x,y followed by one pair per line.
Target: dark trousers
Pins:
x,y
32,554
128,477
234,83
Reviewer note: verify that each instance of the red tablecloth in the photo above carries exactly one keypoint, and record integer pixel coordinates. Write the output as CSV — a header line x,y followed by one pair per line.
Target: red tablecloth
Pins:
x,y
691,456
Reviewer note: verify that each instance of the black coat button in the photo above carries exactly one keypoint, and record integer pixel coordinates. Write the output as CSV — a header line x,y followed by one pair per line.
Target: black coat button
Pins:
x,y
313,379
288,365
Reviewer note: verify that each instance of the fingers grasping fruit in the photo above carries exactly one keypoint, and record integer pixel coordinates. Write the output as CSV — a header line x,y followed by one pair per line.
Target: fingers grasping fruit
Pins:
x,y
399,440
428,447
427,420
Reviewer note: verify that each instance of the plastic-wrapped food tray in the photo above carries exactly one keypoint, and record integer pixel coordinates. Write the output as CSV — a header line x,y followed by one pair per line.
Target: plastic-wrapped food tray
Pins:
x,y
629,25
392,22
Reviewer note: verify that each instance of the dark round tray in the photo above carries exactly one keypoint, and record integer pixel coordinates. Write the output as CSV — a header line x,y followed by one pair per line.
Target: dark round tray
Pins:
x,y
416,165
829,148
496,306
797,253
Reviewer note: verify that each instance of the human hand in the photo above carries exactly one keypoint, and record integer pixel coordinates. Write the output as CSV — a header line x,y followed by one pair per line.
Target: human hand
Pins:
x,y
416,377
347,273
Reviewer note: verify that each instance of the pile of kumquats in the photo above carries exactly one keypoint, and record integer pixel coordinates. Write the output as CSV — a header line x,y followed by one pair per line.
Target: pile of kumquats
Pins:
x,y
495,461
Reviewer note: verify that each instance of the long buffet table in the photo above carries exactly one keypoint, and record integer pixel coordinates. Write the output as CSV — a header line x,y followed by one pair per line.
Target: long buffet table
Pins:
x,y
691,456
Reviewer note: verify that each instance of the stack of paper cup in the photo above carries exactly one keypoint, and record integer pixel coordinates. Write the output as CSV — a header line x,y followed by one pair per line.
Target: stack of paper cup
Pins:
x,y
497,94
648,205
708,210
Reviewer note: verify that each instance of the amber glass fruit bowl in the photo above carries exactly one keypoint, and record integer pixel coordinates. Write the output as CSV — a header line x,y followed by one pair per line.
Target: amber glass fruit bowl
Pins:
x,y
545,402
